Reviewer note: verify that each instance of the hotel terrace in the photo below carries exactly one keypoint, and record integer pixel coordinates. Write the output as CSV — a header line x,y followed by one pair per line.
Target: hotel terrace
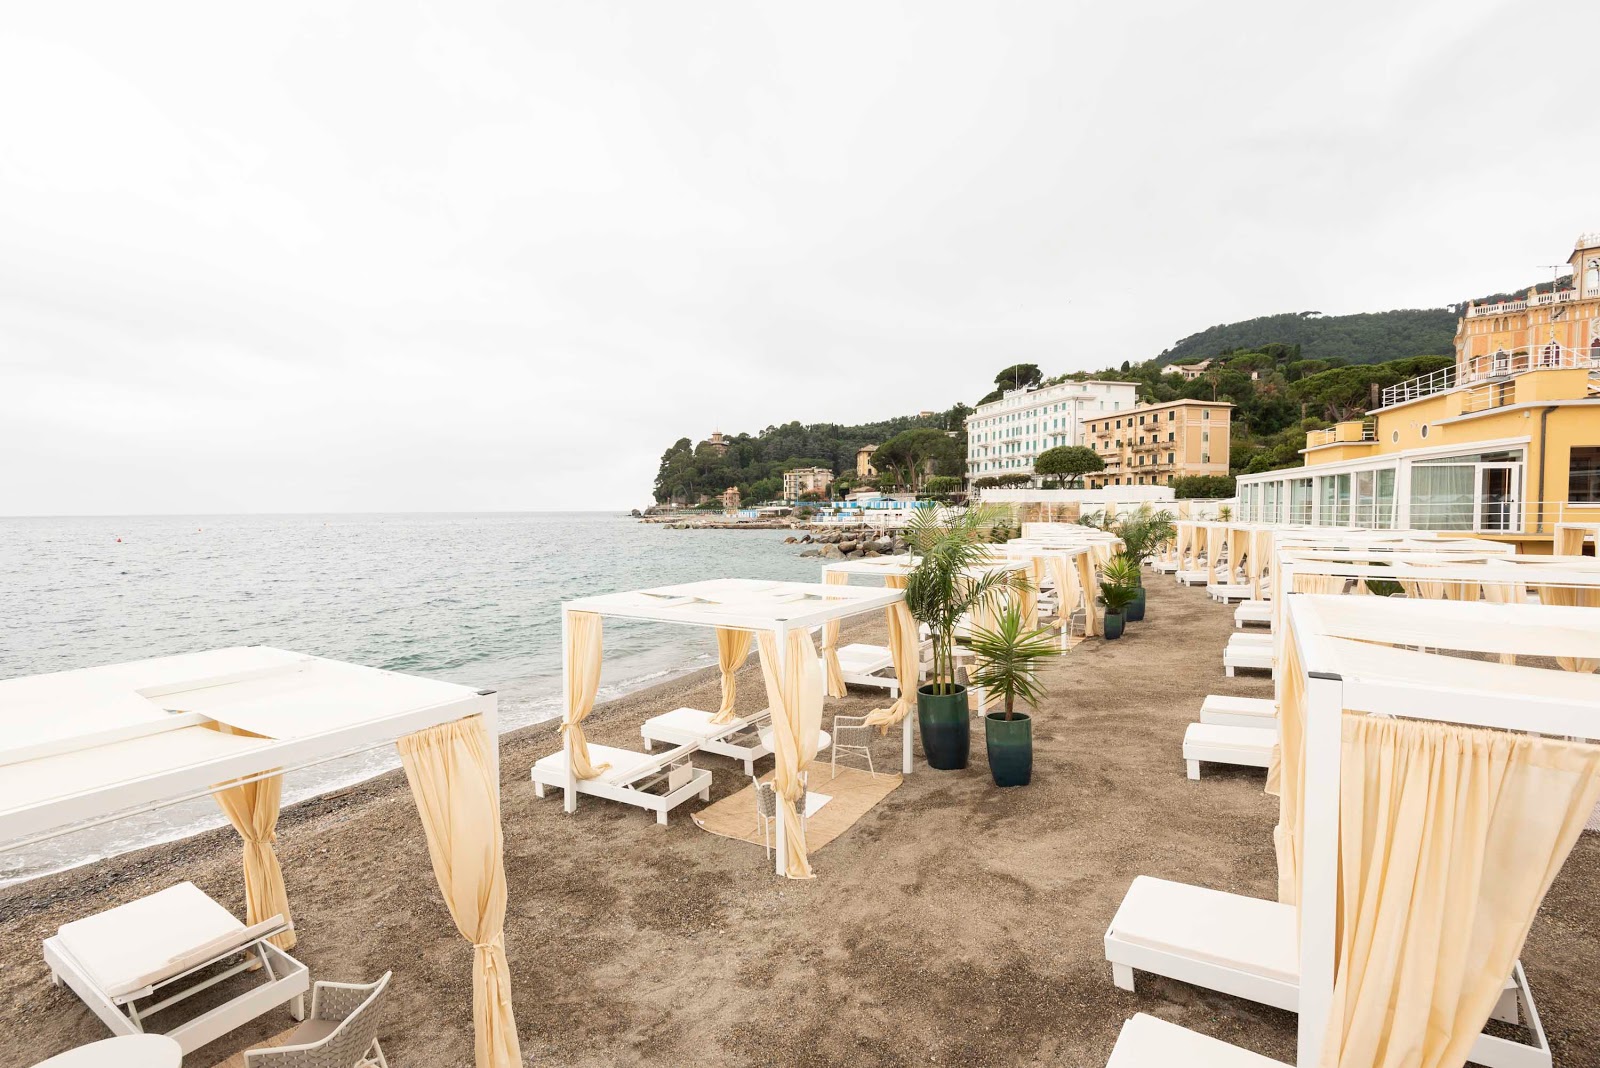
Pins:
x,y
1504,444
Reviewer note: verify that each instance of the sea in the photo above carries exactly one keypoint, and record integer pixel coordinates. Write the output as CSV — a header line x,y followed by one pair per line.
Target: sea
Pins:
x,y
473,599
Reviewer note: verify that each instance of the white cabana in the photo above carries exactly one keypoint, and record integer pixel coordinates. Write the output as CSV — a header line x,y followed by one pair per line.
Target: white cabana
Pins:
x,y
89,746
780,616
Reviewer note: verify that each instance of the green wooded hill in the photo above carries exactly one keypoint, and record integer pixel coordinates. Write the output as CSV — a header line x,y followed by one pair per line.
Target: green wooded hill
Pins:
x,y
1367,337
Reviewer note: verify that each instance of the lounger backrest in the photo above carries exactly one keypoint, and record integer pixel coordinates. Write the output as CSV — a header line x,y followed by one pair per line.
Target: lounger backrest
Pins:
x,y
205,953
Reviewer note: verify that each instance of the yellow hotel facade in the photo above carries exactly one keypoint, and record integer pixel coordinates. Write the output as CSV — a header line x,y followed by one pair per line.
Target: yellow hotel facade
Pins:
x,y
1504,444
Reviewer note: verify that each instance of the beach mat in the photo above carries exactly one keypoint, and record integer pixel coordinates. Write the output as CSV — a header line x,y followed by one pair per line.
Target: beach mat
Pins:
x,y
851,794
237,1060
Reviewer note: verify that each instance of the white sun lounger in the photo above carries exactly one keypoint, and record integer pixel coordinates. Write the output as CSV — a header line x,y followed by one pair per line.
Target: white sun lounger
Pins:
x,y
656,782
1212,743
1247,947
1163,567
1228,711
1246,655
1229,591
1191,577
132,961
1253,613
1146,1042
689,726
860,664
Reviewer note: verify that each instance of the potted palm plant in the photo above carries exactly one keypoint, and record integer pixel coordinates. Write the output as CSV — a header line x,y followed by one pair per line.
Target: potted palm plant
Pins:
x,y
1008,667
1117,591
947,582
1141,533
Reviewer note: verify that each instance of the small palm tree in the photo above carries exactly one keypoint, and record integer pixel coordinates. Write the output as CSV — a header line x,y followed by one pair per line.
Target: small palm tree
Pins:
x,y
948,580
1142,531
1009,659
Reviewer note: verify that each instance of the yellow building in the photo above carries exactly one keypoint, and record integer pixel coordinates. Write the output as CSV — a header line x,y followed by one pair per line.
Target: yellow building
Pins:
x,y
1505,443
864,468
1152,444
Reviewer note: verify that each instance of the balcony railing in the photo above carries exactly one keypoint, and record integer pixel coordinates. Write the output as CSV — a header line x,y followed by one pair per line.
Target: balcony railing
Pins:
x,y
1500,365
1421,386
1505,307
1335,435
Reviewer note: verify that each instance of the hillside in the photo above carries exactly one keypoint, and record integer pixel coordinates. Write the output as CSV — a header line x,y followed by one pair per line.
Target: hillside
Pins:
x,y
1367,337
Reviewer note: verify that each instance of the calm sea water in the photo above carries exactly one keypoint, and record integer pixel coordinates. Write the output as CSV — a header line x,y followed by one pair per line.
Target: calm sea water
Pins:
x,y
466,598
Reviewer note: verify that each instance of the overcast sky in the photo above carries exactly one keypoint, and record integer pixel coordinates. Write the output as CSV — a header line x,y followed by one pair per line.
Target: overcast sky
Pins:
x,y
389,256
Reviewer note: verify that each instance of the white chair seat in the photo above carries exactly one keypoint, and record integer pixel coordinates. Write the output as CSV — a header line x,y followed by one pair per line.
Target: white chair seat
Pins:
x,y
1249,934
1146,1042
125,948
626,764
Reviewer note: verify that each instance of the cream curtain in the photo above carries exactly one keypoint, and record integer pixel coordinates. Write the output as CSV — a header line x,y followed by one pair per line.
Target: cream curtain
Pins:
x,y
733,648
1236,538
1567,595
1449,838
1067,591
1086,579
1259,540
1286,774
452,780
1504,593
1570,539
1214,536
583,682
1325,584
1030,596
252,808
1182,541
905,649
830,641
794,694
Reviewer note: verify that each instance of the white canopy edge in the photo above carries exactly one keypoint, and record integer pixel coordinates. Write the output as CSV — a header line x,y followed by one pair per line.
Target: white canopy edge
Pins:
x,y
87,744
741,604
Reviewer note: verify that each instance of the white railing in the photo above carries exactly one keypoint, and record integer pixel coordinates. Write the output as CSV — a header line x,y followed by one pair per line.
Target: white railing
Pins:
x,y
1421,386
1560,296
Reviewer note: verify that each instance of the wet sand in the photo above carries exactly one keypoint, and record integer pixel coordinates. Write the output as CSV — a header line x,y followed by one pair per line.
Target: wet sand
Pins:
x,y
956,923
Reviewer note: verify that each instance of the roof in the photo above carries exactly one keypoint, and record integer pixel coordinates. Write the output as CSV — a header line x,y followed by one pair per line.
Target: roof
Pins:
x,y
740,604
77,745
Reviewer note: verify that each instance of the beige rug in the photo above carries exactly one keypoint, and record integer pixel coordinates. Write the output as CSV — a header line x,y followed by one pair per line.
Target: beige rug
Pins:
x,y
850,795
237,1060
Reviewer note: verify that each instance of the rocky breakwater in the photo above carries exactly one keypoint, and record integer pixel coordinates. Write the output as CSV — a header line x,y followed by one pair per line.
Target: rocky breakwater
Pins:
x,y
848,544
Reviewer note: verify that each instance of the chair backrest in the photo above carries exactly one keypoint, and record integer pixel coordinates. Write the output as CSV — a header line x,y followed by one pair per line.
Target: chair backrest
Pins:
x,y
766,798
350,1041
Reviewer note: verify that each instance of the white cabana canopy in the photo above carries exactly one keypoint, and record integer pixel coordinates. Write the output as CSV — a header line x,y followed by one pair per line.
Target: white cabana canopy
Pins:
x,y
85,746
80,745
780,615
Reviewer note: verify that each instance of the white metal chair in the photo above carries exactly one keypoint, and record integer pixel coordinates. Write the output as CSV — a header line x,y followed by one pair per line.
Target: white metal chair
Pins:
x,y
767,808
342,1031
851,734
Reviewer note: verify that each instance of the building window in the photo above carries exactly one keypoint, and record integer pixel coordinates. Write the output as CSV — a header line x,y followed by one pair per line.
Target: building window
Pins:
x,y
1172,413
1583,475
1205,413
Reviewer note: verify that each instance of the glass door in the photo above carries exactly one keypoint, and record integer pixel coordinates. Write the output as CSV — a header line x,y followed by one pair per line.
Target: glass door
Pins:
x,y
1499,497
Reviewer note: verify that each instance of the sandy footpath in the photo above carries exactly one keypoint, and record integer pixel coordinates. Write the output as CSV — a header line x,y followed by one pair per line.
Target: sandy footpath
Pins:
x,y
955,924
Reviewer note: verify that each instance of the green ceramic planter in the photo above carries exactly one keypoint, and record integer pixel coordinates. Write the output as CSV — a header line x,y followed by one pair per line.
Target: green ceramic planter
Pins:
x,y
946,727
1010,747
1134,612
1114,625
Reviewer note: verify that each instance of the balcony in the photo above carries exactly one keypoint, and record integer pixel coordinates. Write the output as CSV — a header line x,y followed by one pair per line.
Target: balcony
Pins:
x,y
1506,307
1351,432
1499,366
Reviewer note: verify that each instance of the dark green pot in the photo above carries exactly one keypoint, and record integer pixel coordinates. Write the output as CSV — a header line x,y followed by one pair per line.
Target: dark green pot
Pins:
x,y
1134,612
1114,624
1010,747
946,727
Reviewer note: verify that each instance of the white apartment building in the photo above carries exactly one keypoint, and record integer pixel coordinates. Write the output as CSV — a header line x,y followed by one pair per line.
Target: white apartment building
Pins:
x,y
1005,435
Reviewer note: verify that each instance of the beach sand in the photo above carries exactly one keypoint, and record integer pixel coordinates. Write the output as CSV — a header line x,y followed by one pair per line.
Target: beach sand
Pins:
x,y
956,923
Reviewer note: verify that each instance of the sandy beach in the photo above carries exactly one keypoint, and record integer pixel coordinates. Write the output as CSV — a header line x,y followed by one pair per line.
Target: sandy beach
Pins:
x,y
954,924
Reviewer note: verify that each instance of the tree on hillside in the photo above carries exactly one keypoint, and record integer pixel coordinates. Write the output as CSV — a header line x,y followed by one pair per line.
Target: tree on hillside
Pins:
x,y
1018,375
1068,463
913,455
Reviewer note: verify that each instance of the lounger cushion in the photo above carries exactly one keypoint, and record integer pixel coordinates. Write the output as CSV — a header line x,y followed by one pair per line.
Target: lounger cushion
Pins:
x,y
1251,746
129,947
864,659
1250,934
690,721
1253,641
1146,1042
626,764
1239,706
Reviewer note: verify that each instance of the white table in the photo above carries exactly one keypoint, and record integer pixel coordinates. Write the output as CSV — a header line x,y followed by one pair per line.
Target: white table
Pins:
x,y
124,1051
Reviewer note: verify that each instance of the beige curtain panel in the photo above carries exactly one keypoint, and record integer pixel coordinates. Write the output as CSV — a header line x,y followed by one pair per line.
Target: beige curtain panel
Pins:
x,y
1505,593
452,780
1067,592
733,648
1086,579
1286,774
1325,584
905,647
252,808
1214,537
1236,543
1260,545
1567,595
1181,544
1449,838
830,641
794,694
583,682
1030,595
